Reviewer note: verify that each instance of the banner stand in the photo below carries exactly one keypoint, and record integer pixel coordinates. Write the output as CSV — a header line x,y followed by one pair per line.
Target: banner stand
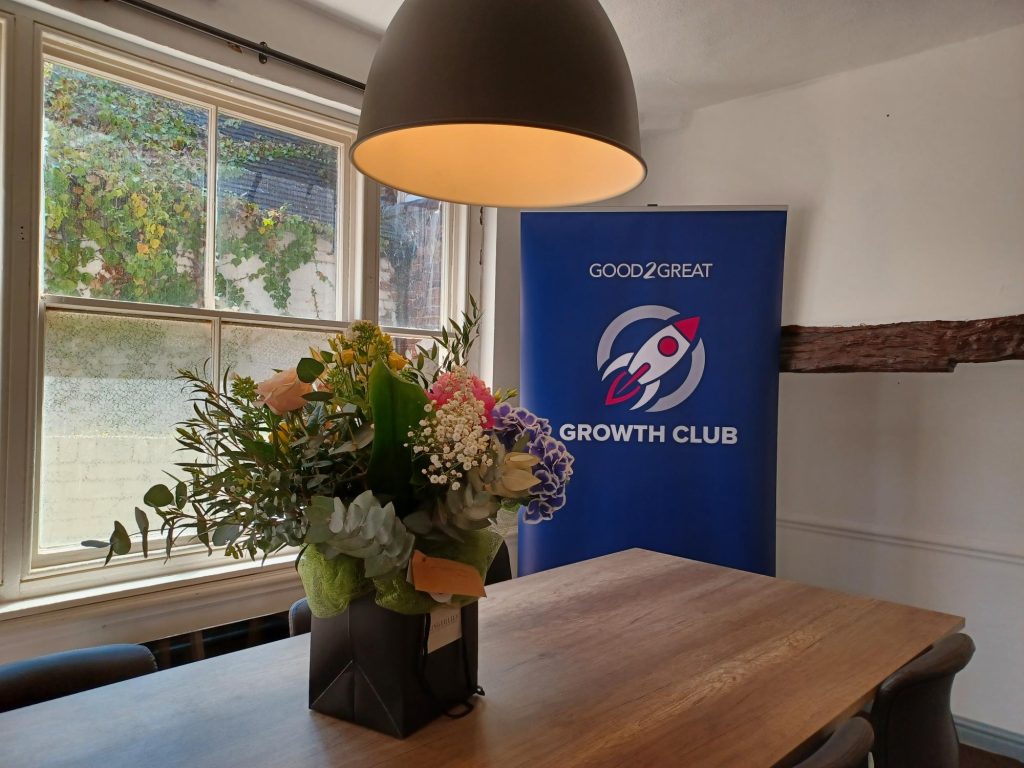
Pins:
x,y
650,339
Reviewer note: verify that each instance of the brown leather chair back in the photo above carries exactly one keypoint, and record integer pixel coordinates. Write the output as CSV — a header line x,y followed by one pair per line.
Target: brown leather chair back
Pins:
x,y
911,715
847,748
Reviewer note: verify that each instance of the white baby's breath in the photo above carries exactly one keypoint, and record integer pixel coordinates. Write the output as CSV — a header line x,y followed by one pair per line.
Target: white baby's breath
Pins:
x,y
452,437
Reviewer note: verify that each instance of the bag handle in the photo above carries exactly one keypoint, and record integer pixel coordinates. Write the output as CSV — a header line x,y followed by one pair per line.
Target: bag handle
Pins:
x,y
451,710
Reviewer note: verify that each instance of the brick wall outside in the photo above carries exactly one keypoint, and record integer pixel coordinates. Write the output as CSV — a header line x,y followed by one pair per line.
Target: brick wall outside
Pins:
x,y
88,481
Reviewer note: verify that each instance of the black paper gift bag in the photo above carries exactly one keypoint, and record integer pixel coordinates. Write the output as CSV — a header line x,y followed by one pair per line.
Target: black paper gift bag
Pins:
x,y
370,666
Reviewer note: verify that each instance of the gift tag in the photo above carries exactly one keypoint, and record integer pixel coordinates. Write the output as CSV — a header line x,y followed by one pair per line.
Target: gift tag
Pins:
x,y
435,574
445,627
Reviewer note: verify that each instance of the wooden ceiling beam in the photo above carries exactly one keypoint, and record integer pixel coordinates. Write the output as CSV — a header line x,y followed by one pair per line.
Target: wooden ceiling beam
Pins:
x,y
927,346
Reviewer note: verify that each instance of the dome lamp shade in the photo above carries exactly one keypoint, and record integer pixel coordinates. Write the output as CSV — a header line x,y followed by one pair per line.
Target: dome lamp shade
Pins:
x,y
511,103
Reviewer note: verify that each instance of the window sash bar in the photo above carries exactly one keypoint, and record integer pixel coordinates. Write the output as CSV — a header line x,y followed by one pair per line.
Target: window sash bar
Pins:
x,y
113,307
158,311
210,246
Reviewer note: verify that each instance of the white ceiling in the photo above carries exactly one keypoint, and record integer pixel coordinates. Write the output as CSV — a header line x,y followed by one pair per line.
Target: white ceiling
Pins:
x,y
687,54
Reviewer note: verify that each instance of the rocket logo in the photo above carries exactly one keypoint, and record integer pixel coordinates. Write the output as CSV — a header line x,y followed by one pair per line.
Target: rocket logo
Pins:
x,y
635,377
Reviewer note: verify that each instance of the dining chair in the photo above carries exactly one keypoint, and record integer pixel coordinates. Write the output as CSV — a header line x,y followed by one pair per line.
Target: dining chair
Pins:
x,y
848,747
300,617
60,674
911,715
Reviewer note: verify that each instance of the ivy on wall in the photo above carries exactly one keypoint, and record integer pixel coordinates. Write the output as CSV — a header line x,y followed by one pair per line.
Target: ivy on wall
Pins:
x,y
125,192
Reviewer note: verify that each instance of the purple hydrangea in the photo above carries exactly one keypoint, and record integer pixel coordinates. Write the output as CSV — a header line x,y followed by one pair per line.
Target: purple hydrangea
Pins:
x,y
554,471
519,430
513,424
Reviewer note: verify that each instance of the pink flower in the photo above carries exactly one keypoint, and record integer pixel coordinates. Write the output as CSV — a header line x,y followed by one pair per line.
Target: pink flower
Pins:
x,y
460,380
283,392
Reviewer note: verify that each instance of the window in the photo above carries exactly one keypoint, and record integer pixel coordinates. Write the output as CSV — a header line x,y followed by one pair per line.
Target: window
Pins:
x,y
418,265
183,223
277,201
412,260
166,213
124,191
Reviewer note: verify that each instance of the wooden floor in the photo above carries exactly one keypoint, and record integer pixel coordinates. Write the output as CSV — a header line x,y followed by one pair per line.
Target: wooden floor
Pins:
x,y
975,758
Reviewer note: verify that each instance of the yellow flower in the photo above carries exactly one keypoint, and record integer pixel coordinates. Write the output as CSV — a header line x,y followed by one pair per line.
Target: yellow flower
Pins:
x,y
397,361
347,357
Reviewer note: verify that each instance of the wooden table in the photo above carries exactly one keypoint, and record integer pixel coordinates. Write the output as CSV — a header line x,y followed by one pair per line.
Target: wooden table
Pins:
x,y
635,659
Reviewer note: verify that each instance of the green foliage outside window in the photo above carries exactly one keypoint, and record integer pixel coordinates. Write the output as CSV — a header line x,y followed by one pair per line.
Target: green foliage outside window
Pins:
x,y
125,185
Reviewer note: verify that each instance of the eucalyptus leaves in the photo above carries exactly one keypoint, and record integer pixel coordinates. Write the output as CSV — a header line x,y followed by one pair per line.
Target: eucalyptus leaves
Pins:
x,y
363,529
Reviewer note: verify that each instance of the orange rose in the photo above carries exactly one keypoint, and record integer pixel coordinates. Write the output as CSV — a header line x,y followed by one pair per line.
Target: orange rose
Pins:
x,y
283,392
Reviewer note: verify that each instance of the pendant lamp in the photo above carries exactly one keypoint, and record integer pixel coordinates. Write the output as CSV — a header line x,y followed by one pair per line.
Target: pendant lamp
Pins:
x,y
516,103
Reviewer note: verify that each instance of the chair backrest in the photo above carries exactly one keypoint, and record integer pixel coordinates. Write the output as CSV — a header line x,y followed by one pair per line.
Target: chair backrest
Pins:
x,y
848,747
60,674
911,715
300,617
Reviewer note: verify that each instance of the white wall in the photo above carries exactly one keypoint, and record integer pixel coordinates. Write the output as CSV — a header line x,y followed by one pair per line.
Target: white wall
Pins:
x,y
909,488
905,182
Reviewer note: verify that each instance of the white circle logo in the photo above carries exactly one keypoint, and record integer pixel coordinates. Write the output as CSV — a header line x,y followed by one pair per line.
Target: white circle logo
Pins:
x,y
635,377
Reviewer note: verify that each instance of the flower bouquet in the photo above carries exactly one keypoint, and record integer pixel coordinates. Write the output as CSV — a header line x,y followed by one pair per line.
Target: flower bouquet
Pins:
x,y
386,475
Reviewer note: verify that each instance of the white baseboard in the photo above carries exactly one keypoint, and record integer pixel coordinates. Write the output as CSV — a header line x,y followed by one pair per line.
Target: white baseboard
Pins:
x,y
990,738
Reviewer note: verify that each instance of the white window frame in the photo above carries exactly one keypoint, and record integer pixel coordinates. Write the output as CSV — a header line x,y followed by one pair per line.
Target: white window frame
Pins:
x,y
30,583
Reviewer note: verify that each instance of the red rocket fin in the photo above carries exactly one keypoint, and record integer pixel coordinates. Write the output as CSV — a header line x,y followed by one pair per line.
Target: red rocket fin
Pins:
x,y
688,327
619,391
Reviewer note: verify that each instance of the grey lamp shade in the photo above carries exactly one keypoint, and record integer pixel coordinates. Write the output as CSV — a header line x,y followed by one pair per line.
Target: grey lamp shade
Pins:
x,y
516,103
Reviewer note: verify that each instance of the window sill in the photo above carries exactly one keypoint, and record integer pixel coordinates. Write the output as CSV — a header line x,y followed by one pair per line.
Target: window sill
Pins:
x,y
147,609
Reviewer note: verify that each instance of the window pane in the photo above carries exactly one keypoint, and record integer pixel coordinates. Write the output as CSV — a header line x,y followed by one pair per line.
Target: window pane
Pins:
x,y
124,185
110,402
412,262
277,199
259,352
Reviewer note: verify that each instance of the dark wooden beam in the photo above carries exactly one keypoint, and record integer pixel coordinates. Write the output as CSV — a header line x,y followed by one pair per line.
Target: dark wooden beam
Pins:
x,y
923,346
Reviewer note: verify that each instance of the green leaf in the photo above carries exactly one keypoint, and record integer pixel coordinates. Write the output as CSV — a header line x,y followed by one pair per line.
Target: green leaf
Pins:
x,y
309,370
120,541
225,534
158,496
259,449
397,406
96,543
202,532
418,522
180,495
142,521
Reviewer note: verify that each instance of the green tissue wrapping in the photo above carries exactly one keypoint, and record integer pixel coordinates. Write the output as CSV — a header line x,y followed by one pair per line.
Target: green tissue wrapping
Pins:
x,y
331,584
477,548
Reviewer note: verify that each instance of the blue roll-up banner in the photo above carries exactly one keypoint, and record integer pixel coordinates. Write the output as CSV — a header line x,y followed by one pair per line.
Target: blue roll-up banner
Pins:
x,y
651,342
